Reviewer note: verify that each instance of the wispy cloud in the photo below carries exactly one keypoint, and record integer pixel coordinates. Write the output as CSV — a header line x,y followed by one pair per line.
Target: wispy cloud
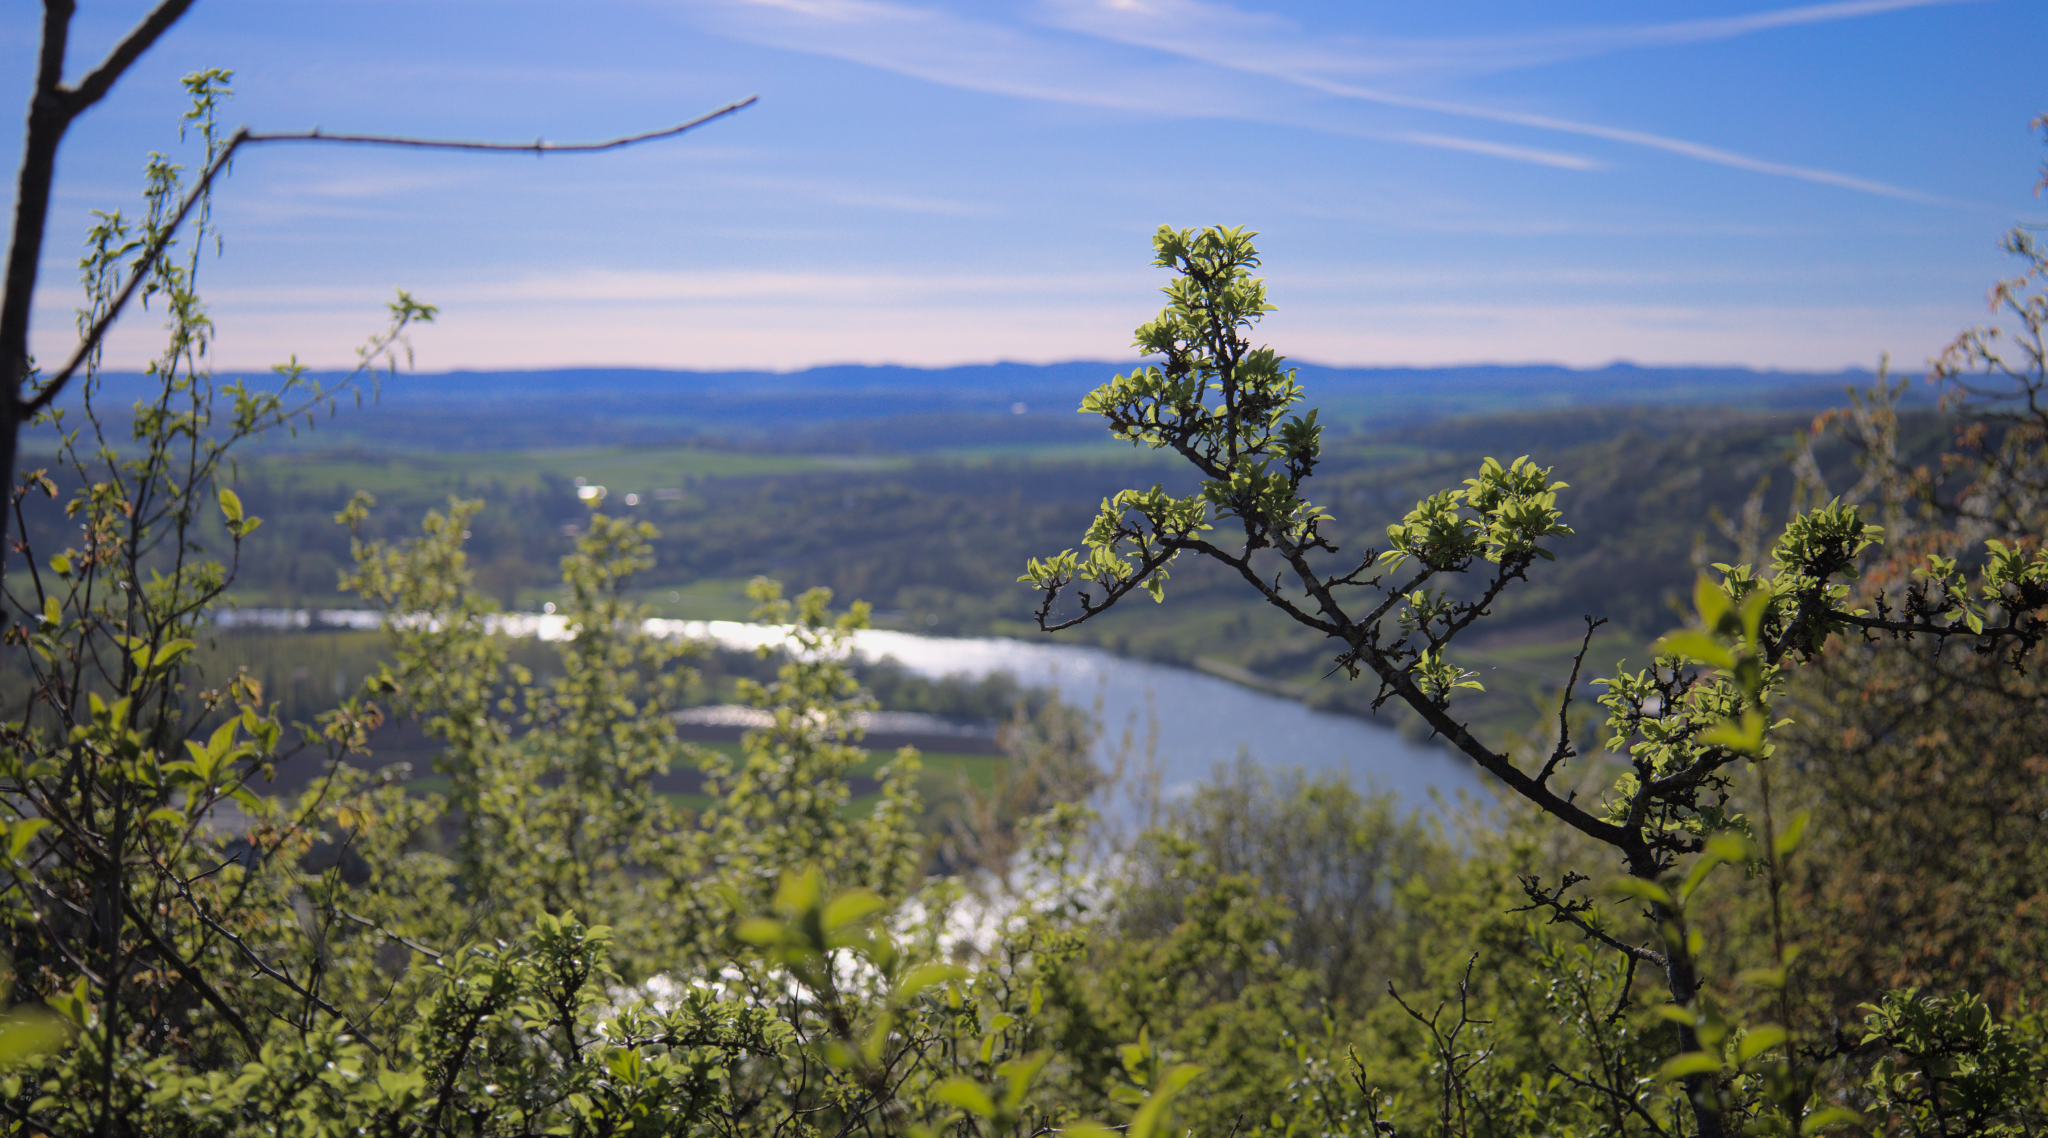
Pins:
x,y
1191,46
1076,69
943,48
1224,37
1592,334
1696,150
1374,56
1586,42
1528,154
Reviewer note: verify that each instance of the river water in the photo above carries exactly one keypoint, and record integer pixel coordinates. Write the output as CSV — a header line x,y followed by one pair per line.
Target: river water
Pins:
x,y
1181,722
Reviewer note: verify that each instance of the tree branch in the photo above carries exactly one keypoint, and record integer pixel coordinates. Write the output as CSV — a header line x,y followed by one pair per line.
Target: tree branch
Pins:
x,y
263,966
1564,724
195,978
537,146
138,40
244,137
1568,912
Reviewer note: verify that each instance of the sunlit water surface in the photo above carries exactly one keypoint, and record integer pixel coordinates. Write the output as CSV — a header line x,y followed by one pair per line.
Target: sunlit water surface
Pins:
x,y
1175,722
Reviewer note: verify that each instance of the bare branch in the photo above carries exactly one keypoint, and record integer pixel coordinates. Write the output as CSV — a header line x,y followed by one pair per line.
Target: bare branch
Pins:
x,y
537,146
138,40
155,251
1570,912
1564,724
263,966
194,977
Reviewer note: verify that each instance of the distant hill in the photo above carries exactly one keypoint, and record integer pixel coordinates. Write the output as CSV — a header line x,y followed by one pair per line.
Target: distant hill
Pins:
x,y
911,410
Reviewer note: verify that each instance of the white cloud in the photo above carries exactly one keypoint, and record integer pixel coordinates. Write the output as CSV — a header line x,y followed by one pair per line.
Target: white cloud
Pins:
x,y
1359,55
942,48
1222,41
1086,70
1224,37
1528,154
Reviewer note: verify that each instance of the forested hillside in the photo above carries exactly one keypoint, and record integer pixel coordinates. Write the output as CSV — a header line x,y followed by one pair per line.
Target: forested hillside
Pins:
x,y
935,543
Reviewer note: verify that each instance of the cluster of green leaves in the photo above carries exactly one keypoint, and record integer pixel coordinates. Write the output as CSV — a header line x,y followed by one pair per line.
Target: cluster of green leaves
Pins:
x,y
1952,1066
1224,409
1689,725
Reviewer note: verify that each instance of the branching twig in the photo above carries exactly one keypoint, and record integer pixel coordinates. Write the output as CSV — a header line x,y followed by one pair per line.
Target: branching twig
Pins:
x,y
1553,901
1564,724
54,386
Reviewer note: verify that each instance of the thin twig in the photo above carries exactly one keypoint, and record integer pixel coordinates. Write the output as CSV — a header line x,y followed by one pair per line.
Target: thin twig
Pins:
x,y
537,146
194,977
263,966
1564,725
97,333
1568,911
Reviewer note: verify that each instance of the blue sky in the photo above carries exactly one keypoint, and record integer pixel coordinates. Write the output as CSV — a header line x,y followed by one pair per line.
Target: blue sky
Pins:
x,y
933,182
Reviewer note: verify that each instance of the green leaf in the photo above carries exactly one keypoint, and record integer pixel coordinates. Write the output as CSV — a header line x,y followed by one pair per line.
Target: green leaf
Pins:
x,y
28,1033
21,834
1642,890
1771,978
850,907
1830,1116
1731,848
1760,1040
1177,1078
171,651
222,740
1018,1075
1692,644
1698,875
1690,1063
925,976
1151,1114
1793,835
1746,735
230,505
1710,600
1754,606
798,891
966,1094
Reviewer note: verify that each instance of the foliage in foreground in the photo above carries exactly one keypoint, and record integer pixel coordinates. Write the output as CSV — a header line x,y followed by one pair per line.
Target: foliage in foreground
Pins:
x,y
1695,731
550,947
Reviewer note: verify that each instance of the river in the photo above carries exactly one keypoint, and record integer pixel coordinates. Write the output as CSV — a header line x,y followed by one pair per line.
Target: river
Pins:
x,y
1185,722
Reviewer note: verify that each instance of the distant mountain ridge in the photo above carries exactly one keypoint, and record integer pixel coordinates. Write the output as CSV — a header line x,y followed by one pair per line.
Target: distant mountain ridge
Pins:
x,y
887,407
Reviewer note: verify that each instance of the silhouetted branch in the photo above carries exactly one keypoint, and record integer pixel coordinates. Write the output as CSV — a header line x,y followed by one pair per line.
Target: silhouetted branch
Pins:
x,y
244,137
